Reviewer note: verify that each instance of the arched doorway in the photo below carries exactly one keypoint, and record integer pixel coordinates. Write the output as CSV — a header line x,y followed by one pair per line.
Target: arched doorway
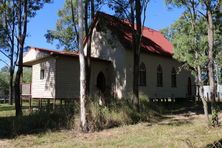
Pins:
x,y
189,87
101,82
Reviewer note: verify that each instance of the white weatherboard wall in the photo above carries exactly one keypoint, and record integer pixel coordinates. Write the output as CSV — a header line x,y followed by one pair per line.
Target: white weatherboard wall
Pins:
x,y
207,92
62,77
44,88
34,54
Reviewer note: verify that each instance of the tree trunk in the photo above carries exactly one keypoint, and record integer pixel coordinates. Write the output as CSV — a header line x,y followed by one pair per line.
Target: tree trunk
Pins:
x,y
201,95
210,67
136,49
22,31
88,51
83,122
135,78
12,69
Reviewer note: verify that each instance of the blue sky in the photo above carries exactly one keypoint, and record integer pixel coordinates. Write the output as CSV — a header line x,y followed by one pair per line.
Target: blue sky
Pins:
x,y
158,17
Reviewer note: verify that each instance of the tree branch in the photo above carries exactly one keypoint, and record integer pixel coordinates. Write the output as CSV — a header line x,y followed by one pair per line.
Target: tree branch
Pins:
x,y
73,20
4,62
4,54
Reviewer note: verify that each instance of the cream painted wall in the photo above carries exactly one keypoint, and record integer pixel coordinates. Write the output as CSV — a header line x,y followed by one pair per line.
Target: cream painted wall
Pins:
x,y
67,76
151,90
63,72
44,88
106,46
34,54
106,69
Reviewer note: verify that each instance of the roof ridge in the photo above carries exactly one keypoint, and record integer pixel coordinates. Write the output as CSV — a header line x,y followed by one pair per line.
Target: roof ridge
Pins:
x,y
152,40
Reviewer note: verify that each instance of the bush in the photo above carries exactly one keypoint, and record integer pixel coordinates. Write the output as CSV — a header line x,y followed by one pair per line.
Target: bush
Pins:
x,y
118,113
39,121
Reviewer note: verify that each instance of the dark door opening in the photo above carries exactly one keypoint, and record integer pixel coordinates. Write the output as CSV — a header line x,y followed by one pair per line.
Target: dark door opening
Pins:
x,y
189,87
101,82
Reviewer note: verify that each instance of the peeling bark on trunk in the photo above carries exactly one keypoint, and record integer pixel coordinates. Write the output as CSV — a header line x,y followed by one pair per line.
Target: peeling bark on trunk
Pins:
x,y
83,122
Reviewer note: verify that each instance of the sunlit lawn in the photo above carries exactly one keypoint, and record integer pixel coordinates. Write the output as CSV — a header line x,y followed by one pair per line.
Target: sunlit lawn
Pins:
x,y
183,130
9,110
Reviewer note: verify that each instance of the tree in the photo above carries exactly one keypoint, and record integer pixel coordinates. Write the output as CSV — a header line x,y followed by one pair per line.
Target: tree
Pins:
x,y
82,63
209,10
132,10
190,44
89,39
211,7
24,9
7,15
66,32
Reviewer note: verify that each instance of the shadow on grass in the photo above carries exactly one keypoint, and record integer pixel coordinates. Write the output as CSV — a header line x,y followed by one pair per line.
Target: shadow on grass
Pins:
x,y
115,114
185,107
176,122
37,122
216,144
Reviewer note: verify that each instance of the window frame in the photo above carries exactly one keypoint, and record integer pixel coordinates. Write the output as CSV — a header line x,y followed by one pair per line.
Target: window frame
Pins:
x,y
42,74
159,76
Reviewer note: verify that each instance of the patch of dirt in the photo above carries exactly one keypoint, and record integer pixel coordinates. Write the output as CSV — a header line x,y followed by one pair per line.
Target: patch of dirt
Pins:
x,y
4,144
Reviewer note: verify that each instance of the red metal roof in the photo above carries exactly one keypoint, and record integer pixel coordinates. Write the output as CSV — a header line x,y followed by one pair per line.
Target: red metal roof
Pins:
x,y
54,52
152,41
65,53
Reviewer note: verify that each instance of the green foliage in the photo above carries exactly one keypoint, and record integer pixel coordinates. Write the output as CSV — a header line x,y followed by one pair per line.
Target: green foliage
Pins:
x,y
4,81
118,113
27,75
65,31
215,112
189,45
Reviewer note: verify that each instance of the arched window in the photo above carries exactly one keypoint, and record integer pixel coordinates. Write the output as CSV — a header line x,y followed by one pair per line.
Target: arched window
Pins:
x,y
173,78
159,76
142,75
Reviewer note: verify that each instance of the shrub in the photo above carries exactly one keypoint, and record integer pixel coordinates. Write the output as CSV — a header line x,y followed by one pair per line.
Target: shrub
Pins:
x,y
36,122
117,113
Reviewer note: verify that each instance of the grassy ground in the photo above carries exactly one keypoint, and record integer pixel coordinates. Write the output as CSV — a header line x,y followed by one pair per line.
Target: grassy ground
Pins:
x,y
180,130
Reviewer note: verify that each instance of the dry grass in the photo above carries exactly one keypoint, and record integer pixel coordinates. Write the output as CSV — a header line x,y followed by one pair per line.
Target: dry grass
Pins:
x,y
184,130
